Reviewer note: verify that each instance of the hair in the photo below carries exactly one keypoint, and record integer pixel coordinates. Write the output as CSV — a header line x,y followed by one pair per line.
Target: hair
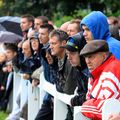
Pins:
x,y
43,18
29,17
47,26
11,46
115,20
60,34
76,21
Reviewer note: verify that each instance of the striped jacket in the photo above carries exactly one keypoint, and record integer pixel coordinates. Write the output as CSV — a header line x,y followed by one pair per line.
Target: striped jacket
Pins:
x,y
104,84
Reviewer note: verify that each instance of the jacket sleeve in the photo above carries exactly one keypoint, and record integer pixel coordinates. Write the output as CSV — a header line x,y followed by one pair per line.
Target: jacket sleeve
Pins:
x,y
92,109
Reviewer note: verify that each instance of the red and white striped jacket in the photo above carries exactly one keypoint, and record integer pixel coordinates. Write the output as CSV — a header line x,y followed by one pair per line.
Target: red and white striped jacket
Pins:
x,y
104,84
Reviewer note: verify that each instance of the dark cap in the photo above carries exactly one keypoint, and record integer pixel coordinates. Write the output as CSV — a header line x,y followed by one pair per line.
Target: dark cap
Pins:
x,y
94,47
75,43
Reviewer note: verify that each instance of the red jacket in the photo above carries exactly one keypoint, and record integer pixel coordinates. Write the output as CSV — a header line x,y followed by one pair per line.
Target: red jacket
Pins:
x,y
104,84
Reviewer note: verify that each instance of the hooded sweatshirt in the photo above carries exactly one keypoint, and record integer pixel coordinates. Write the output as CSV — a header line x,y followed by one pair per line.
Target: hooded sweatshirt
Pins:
x,y
97,23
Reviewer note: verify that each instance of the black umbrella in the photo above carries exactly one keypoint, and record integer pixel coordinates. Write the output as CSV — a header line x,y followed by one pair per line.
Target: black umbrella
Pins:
x,y
11,24
9,37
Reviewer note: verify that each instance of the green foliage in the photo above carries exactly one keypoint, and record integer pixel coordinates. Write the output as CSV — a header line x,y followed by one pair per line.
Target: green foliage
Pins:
x,y
3,115
81,13
59,11
59,19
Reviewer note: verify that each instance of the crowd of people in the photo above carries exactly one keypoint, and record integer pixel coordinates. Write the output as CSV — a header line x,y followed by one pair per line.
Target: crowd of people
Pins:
x,y
82,55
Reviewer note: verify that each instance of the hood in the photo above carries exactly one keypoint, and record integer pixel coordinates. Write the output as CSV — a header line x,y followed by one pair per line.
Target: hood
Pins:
x,y
97,23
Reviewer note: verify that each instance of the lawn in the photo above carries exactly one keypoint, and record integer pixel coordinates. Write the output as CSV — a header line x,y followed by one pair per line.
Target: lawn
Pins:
x,y
3,115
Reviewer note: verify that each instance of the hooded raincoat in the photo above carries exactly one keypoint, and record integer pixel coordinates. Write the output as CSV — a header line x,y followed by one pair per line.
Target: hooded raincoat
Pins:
x,y
97,23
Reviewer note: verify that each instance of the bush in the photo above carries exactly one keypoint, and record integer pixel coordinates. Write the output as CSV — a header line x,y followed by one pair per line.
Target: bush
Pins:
x,y
3,115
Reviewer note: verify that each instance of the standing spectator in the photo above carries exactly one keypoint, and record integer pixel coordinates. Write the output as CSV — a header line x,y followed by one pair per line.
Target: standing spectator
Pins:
x,y
3,75
73,27
45,112
112,20
95,26
104,81
44,32
66,82
114,31
10,52
73,47
40,20
64,26
26,24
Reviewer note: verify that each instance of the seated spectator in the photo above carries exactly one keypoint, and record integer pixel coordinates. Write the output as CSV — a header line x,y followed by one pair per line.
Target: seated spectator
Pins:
x,y
104,81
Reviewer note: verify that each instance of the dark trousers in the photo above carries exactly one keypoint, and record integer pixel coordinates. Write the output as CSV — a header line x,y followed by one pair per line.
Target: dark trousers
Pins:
x,y
46,112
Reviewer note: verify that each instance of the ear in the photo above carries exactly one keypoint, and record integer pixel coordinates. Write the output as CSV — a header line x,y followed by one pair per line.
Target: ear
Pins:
x,y
63,43
15,53
31,24
104,55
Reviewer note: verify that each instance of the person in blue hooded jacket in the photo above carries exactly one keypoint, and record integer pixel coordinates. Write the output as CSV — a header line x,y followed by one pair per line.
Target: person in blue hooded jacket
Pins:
x,y
95,26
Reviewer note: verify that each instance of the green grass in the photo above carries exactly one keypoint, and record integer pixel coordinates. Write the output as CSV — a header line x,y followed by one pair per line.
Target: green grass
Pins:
x,y
3,115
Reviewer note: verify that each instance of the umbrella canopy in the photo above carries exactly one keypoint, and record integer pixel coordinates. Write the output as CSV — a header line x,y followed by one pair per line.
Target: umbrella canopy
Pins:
x,y
11,24
9,37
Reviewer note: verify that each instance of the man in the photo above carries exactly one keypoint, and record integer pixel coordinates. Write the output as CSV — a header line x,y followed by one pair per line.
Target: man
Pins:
x,y
64,26
27,22
104,81
66,82
26,67
73,27
44,32
95,26
73,47
40,20
10,53
45,112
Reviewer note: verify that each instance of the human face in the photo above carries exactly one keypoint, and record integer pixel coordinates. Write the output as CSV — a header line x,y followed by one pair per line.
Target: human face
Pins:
x,y
72,29
2,57
43,35
37,24
87,33
55,44
95,60
25,24
35,44
49,58
26,49
73,58
10,54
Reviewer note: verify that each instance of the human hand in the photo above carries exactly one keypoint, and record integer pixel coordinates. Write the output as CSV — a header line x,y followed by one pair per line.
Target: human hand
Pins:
x,y
26,76
114,117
